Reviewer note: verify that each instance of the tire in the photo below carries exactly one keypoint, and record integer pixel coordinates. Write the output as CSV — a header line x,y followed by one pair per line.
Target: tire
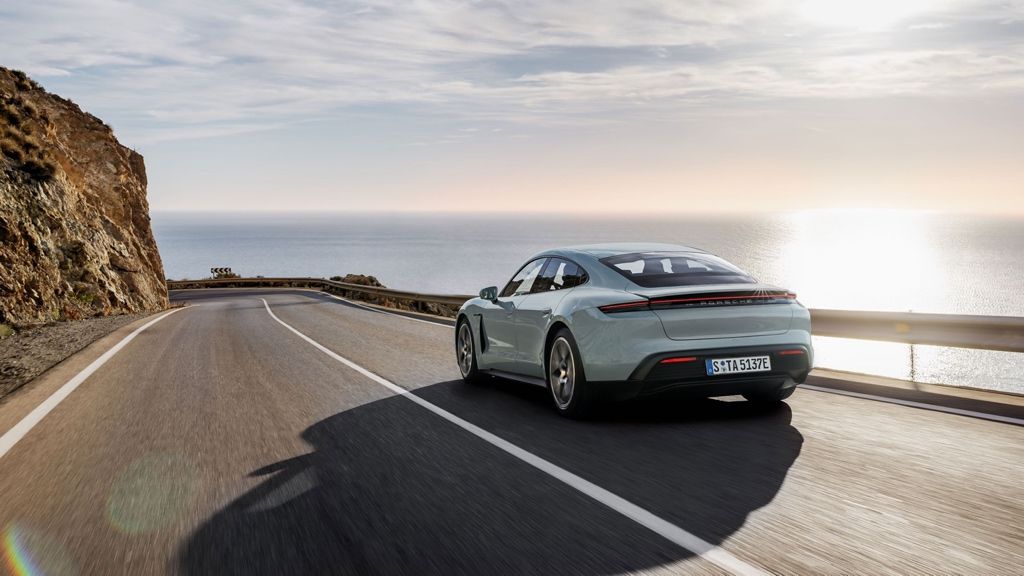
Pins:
x,y
773,397
465,352
564,367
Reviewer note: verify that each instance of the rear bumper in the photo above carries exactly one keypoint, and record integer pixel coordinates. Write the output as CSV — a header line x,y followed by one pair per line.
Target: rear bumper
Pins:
x,y
651,377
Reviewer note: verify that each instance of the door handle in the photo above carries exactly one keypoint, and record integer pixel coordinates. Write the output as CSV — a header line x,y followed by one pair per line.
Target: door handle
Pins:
x,y
545,312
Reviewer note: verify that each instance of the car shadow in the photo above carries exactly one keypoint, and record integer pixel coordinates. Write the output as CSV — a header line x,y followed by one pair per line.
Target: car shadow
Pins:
x,y
390,488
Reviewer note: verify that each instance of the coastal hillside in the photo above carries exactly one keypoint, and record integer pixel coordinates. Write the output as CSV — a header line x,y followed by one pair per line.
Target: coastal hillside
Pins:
x,y
75,236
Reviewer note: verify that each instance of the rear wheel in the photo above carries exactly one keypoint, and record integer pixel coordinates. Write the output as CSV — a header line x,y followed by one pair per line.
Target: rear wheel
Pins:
x,y
772,397
566,379
465,352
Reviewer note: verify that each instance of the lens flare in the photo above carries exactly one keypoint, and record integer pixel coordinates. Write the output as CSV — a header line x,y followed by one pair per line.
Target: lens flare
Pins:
x,y
31,553
151,493
19,562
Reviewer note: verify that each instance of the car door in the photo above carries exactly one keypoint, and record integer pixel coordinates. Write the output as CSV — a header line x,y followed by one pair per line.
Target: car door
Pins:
x,y
498,319
534,315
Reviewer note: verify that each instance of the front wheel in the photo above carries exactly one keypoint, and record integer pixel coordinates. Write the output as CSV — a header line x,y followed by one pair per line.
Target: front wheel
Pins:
x,y
773,397
566,379
465,352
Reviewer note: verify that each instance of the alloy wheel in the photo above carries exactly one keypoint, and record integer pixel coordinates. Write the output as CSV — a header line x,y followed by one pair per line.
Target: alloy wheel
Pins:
x,y
561,372
464,349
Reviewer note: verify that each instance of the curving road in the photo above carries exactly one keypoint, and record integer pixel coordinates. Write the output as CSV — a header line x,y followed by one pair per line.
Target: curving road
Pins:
x,y
220,441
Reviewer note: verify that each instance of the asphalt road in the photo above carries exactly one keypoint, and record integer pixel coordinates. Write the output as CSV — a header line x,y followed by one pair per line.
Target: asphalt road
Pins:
x,y
218,441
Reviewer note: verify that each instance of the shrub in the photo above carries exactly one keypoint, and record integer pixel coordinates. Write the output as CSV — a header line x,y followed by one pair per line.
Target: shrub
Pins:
x,y
22,81
12,150
85,297
10,114
5,331
39,169
30,144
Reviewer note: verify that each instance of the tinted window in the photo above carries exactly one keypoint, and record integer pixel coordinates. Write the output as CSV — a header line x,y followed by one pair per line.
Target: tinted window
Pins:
x,y
523,281
657,269
559,274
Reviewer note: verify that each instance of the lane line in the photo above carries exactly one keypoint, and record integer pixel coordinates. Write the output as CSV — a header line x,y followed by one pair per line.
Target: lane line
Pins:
x,y
652,522
912,404
15,434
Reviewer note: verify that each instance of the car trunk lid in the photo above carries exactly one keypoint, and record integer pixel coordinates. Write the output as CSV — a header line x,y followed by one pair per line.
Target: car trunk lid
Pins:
x,y
720,311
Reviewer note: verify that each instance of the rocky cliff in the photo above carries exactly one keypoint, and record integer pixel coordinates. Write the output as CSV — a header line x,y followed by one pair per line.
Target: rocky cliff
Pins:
x,y
75,236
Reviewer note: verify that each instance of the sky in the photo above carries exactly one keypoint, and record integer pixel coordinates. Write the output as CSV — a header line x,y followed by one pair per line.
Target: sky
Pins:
x,y
537,106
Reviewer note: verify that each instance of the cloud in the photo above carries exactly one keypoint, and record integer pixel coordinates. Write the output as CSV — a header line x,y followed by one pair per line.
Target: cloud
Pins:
x,y
188,69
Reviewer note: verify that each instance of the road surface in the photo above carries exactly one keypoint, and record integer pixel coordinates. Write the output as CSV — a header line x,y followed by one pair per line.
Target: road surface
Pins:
x,y
221,441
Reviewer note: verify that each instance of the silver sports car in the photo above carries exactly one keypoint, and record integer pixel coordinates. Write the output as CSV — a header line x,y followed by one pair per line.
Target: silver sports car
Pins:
x,y
618,321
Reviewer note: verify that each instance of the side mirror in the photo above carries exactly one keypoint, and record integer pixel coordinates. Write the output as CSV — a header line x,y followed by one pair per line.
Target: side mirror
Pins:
x,y
489,293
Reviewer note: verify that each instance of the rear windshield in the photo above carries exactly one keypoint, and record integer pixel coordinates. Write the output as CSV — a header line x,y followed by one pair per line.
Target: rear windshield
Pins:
x,y
658,269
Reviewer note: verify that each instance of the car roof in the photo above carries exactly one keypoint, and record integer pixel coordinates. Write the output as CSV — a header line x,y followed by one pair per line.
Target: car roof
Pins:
x,y
613,249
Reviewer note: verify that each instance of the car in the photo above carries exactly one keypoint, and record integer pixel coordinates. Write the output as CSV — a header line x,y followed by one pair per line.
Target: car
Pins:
x,y
612,322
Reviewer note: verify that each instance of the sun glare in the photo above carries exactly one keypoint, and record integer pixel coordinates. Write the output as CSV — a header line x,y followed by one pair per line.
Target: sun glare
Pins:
x,y
862,13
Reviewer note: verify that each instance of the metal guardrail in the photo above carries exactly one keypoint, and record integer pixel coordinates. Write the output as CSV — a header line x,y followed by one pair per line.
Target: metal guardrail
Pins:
x,y
444,299
1003,333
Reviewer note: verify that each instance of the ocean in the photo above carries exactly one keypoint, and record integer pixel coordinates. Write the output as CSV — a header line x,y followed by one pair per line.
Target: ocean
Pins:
x,y
902,261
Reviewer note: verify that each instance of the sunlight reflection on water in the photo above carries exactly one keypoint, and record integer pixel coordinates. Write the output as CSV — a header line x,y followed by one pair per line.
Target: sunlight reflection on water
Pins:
x,y
880,263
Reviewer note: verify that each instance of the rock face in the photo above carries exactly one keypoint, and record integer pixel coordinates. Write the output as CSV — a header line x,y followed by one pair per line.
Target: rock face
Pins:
x,y
75,236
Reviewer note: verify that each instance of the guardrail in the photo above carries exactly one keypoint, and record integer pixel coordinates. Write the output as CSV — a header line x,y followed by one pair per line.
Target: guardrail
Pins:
x,y
384,293
1003,333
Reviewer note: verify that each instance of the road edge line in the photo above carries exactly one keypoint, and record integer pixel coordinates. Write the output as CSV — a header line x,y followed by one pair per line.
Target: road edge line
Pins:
x,y
649,520
25,425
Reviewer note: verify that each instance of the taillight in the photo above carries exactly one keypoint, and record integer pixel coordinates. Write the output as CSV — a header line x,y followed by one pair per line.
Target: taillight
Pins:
x,y
727,298
721,299
624,307
679,360
795,352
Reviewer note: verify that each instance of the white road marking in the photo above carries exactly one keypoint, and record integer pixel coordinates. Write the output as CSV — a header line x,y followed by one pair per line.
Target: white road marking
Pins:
x,y
12,436
912,404
656,524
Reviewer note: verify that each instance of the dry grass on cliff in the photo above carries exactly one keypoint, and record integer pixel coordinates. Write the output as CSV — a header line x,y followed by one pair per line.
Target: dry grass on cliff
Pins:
x,y
20,120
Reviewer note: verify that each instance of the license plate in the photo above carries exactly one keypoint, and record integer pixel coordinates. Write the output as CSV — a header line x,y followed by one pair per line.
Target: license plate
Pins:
x,y
738,365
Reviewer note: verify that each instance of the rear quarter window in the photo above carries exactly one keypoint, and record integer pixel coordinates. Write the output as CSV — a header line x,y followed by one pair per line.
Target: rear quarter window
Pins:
x,y
559,274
